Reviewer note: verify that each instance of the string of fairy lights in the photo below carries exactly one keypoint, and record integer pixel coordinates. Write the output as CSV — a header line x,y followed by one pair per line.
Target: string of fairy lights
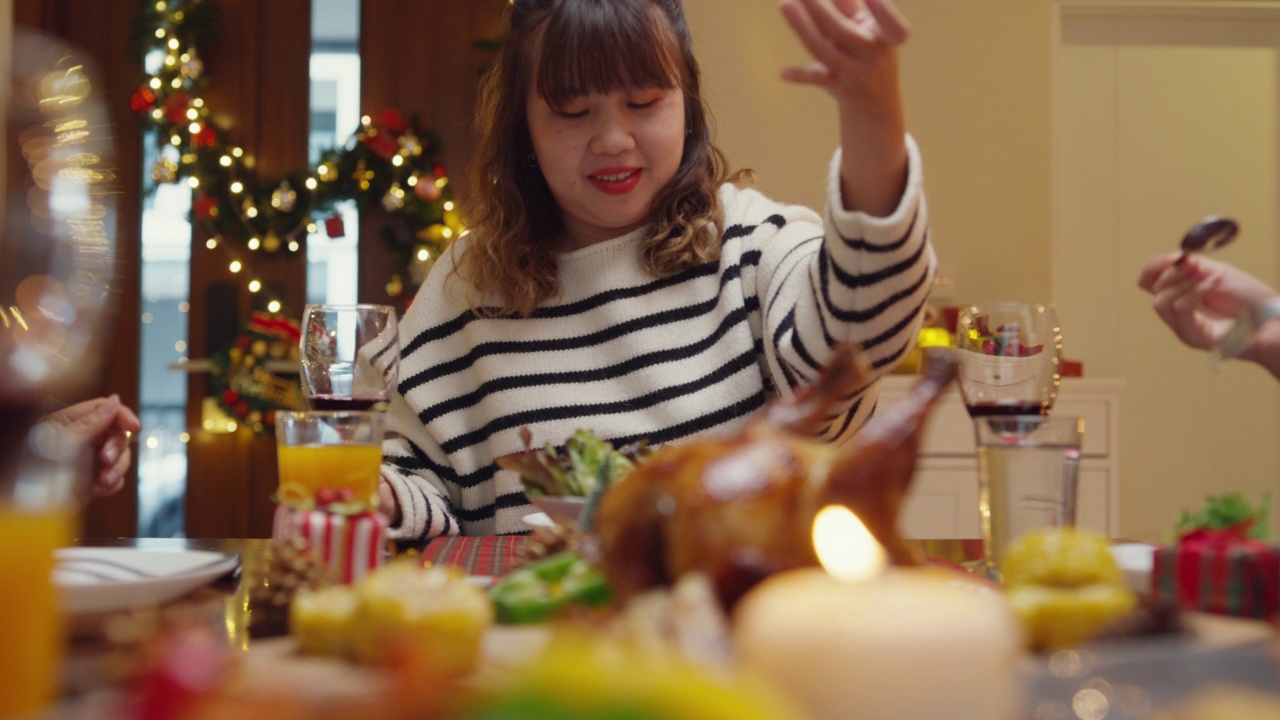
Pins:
x,y
391,163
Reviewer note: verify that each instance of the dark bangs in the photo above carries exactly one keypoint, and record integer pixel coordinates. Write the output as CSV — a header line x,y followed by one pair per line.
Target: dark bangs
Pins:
x,y
603,46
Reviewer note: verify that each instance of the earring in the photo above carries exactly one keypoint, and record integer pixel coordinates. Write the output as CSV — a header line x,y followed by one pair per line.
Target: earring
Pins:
x,y
533,160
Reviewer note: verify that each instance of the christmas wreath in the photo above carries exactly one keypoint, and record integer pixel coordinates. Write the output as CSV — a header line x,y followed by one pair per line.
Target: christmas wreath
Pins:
x,y
391,162
256,375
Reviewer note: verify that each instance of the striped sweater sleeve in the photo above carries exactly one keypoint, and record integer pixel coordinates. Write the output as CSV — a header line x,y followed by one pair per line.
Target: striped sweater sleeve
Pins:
x,y
409,455
866,282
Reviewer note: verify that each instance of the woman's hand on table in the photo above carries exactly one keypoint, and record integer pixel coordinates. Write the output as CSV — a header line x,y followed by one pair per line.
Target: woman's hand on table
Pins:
x,y
387,504
107,425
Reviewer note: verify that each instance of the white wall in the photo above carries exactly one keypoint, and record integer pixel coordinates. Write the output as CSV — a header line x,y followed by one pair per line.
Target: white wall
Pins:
x,y
974,77
1052,172
1164,116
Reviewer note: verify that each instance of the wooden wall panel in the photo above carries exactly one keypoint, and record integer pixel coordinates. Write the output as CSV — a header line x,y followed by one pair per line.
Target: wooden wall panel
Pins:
x,y
98,29
420,56
261,62
417,55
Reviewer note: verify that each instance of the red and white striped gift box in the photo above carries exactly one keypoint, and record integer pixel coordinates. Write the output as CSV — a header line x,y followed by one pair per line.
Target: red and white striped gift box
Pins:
x,y
352,545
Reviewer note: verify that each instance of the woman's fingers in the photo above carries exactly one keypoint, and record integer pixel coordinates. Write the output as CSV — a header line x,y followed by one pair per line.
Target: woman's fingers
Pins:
x,y
894,29
815,73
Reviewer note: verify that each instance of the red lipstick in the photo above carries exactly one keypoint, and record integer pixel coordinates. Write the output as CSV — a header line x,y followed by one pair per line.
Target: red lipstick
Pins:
x,y
616,181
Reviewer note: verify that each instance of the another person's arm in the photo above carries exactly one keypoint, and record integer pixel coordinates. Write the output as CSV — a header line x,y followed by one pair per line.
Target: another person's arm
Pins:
x,y
106,423
1200,298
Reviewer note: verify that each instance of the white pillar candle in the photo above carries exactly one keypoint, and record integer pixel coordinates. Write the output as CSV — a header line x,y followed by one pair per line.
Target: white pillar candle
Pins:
x,y
911,644
905,644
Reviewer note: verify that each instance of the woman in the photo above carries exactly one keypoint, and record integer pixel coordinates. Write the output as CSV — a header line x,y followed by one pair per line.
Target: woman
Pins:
x,y
614,280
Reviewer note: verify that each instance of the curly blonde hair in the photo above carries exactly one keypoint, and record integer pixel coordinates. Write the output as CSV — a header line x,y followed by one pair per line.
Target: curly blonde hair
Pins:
x,y
514,220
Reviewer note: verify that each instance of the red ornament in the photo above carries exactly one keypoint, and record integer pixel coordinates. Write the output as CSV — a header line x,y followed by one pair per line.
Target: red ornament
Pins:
x,y
438,170
427,190
205,207
382,145
242,408
206,137
229,397
175,109
333,226
142,100
393,120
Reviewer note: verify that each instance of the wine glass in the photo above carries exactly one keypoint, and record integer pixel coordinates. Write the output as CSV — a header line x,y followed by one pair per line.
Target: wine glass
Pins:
x,y
57,239
1010,354
350,356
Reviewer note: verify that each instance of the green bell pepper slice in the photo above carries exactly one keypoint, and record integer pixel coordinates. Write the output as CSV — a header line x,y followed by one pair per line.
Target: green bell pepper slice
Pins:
x,y
543,588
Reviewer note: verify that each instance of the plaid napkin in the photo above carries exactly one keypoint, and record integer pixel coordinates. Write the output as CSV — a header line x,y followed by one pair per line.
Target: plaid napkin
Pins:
x,y
478,555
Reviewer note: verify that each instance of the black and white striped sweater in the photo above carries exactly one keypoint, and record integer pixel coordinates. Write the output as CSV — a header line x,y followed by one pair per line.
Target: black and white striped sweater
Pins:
x,y
632,356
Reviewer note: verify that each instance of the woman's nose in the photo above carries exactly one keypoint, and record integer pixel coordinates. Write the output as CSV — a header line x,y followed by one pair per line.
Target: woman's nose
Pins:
x,y
612,134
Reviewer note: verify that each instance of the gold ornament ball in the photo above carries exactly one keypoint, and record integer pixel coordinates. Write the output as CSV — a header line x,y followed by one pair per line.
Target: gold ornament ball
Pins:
x,y
271,242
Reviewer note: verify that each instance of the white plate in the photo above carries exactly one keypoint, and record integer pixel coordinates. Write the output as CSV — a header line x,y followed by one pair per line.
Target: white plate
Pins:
x,y
1136,561
94,579
538,519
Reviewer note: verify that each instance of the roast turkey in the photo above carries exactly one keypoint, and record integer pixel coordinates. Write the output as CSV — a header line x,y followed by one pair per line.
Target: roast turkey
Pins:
x,y
741,506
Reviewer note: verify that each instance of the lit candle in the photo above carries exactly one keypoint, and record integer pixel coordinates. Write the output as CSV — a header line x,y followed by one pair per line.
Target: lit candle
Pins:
x,y
856,641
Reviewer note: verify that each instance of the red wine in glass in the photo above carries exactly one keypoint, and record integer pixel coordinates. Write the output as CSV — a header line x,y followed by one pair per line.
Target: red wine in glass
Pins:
x,y
978,410
343,402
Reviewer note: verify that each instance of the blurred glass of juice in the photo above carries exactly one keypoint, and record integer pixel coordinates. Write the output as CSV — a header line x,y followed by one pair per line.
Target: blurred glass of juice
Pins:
x,y
334,453
31,631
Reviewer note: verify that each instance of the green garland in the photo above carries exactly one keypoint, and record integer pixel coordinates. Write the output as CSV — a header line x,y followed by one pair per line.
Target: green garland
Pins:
x,y
391,162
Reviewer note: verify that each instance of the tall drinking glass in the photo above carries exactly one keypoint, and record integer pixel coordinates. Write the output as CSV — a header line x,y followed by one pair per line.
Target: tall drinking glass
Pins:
x,y
350,356
329,459
1010,354
1028,475
56,255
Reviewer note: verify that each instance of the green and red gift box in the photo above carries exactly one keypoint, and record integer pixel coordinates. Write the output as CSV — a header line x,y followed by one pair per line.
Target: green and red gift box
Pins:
x,y
1219,571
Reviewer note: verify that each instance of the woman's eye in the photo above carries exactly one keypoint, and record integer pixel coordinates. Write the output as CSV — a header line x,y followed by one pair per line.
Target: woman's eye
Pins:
x,y
642,105
571,114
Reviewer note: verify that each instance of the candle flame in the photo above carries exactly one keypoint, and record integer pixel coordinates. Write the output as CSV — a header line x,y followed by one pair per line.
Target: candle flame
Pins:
x,y
845,547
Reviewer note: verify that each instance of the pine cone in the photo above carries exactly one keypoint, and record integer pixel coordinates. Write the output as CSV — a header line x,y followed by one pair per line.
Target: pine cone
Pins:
x,y
289,567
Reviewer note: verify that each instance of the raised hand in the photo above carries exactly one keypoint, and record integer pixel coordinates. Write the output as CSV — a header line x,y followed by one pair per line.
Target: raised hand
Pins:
x,y
853,44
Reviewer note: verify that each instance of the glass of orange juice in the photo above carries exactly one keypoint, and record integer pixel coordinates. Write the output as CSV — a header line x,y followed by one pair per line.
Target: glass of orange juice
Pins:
x,y
329,458
37,516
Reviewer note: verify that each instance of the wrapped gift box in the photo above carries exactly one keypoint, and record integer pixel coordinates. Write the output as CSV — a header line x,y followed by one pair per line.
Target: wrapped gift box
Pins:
x,y
1219,572
352,545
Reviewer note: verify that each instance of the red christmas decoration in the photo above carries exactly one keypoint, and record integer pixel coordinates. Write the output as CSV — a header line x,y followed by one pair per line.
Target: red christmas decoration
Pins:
x,y
175,109
205,207
142,99
206,137
381,144
393,120
333,226
230,397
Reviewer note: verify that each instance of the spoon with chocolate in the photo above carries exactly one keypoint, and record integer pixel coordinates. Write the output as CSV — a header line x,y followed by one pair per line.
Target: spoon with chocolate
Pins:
x,y
1207,235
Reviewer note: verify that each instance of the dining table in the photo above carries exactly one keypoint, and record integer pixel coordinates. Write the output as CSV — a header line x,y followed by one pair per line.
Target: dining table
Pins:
x,y
1143,674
